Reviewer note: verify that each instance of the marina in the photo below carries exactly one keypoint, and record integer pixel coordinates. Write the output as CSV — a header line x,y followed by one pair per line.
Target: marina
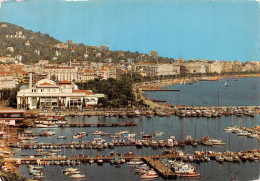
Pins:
x,y
155,144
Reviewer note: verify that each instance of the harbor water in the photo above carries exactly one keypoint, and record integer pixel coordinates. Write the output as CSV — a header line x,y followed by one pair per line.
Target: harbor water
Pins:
x,y
225,92
197,127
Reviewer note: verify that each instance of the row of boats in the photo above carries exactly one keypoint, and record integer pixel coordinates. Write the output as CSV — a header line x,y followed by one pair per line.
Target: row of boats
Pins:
x,y
74,173
180,168
213,113
100,143
143,170
240,131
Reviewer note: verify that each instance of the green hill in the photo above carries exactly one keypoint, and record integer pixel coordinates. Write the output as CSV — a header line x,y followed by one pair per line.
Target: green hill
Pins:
x,y
34,46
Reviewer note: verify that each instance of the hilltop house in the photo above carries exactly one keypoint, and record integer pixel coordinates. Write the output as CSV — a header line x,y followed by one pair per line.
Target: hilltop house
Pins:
x,y
48,94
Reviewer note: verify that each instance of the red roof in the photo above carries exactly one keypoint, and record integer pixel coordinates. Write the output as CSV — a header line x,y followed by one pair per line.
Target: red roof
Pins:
x,y
65,82
6,73
83,91
46,83
103,70
89,71
23,72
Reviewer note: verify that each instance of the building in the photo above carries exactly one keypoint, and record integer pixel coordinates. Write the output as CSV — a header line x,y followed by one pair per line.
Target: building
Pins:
x,y
153,69
153,54
195,67
86,75
104,48
7,82
61,73
214,67
47,94
11,117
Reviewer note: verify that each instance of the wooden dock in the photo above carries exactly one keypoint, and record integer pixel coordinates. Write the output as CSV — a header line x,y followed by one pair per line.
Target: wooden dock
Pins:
x,y
153,161
117,124
123,124
159,167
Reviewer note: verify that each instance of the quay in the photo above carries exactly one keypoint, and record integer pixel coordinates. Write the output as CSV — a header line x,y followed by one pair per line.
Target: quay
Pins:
x,y
117,124
161,169
161,90
153,161
123,124
148,159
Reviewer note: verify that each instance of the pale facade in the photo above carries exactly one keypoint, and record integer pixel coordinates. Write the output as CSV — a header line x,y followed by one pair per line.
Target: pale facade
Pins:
x,y
62,73
151,69
47,94
194,68
215,67
7,82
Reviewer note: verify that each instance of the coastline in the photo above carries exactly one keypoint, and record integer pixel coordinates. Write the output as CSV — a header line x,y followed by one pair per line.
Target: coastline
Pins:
x,y
139,88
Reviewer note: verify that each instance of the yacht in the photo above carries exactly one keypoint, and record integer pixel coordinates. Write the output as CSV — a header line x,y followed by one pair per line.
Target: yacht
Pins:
x,y
77,176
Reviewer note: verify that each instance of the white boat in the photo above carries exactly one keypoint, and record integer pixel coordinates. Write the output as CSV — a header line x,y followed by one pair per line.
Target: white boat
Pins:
x,y
61,137
135,162
46,125
158,133
149,175
228,158
98,132
77,176
220,158
55,151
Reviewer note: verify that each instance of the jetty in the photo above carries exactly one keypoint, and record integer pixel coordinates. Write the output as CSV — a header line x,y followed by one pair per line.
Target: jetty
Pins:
x,y
161,90
153,161
123,124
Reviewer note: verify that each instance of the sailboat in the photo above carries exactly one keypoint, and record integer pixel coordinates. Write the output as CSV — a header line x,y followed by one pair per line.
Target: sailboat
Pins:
x,y
228,157
194,142
226,84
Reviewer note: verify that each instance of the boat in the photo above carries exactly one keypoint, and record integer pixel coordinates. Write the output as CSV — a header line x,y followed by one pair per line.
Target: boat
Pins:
x,y
145,143
55,151
189,174
158,133
135,162
111,144
91,161
100,162
169,143
253,158
138,144
46,125
228,158
77,176
194,143
161,143
61,137
220,158
244,158
47,133
154,144
236,159
147,137
98,132
149,175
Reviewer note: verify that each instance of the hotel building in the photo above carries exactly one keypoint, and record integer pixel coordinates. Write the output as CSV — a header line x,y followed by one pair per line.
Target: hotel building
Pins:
x,y
49,94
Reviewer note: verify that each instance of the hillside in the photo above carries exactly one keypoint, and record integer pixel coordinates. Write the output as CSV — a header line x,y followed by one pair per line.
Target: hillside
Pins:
x,y
35,46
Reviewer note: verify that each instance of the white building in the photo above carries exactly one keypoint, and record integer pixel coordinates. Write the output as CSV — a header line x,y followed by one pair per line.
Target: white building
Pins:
x,y
47,94
7,82
154,69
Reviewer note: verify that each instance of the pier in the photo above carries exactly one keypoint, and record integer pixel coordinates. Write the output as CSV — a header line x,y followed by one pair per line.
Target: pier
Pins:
x,y
124,124
161,169
153,161
161,90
